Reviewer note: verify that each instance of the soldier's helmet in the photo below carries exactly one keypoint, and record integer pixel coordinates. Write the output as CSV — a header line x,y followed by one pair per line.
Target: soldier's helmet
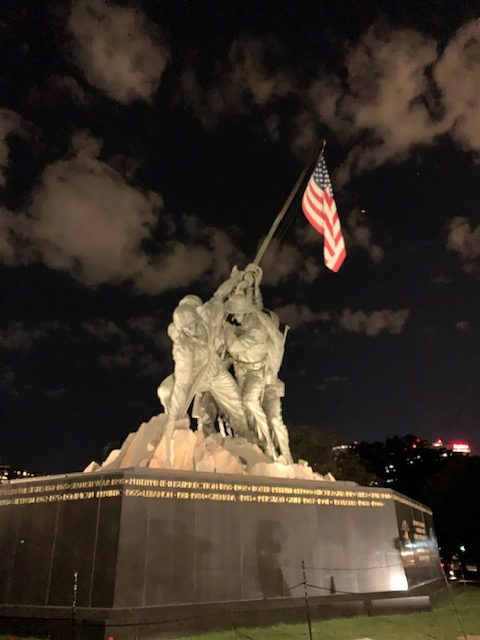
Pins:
x,y
192,300
238,304
275,320
184,316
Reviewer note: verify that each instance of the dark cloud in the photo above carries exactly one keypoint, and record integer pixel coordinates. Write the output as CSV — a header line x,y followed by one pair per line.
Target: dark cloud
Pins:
x,y
359,234
374,322
463,325
243,80
104,330
69,87
18,335
11,123
371,323
297,315
140,343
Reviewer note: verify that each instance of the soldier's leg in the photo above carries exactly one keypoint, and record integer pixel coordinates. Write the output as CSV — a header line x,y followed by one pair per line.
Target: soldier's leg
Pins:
x,y
205,411
226,394
273,410
252,401
164,391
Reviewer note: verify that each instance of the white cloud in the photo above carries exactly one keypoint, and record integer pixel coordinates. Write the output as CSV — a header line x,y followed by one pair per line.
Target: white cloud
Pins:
x,y
310,269
307,234
390,100
221,254
373,322
10,123
297,315
386,85
125,357
304,134
324,95
147,325
464,239
457,74
87,220
281,261
104,329
117,49
179,265
153,329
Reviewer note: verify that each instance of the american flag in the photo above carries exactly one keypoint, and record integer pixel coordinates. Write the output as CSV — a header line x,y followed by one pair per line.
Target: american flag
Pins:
x,y
320,210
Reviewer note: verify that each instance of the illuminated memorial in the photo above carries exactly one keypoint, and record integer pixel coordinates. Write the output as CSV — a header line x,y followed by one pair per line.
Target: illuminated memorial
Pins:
x,y
190,530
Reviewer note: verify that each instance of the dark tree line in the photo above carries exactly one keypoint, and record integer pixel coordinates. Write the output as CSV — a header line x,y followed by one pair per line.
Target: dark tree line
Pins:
x,y
317,447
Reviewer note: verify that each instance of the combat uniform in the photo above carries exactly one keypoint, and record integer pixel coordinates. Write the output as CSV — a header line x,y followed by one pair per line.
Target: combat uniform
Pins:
x,y
199,369
248,345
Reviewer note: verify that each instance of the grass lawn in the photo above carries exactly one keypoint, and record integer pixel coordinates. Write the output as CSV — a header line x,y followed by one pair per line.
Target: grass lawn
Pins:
x,y
440,624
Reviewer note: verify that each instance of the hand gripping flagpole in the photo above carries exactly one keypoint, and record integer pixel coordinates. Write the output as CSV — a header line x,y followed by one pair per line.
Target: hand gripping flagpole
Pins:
x,y
284,209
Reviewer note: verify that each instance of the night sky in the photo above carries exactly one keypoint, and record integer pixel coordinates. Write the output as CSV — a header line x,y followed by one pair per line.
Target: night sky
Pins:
x,y
146,147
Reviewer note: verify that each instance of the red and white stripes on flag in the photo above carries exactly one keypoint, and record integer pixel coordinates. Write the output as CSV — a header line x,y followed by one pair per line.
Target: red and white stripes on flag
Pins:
x,y
320,210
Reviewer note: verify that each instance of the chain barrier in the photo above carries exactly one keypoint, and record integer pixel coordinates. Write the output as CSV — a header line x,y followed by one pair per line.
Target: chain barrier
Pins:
x,y
79,625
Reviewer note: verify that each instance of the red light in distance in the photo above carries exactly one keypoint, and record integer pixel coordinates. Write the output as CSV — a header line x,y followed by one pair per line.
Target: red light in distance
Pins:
x,y
460,447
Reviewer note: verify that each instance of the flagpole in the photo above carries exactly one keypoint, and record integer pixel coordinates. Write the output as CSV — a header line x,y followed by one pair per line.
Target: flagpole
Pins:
x,y
284,209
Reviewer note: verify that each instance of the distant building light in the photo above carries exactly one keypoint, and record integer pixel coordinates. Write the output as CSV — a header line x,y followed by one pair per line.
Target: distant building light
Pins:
x,y
462,548
460,447
8,473
437,443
